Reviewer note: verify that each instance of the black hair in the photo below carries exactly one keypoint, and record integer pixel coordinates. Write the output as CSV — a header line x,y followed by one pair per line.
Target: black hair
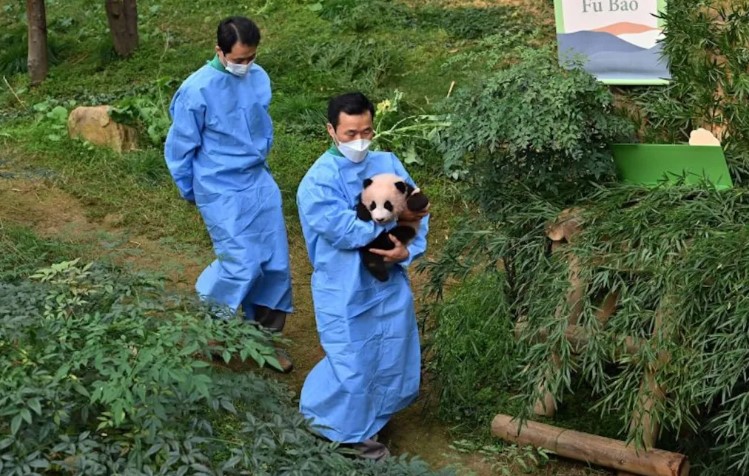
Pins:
x,y
350,103
236,29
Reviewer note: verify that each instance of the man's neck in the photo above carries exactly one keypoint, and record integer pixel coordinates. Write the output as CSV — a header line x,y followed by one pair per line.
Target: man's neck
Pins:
x,y
216,63
334,150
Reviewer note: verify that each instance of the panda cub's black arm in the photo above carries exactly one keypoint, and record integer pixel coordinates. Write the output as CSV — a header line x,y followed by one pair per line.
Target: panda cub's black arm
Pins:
x,y
417,202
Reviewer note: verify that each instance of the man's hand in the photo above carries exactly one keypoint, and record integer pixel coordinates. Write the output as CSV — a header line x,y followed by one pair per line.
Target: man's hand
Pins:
x,y
396,255
408,215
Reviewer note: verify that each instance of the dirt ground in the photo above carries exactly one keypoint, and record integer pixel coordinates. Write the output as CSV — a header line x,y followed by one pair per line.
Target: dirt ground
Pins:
x,y
50,212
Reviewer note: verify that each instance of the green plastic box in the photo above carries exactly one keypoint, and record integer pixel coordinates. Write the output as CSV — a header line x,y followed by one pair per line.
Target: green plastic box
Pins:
x,y
654,164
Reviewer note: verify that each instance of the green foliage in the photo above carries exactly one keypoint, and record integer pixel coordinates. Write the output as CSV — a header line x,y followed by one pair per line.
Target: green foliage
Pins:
x,y
472,23
706,46
360,16
495,51
21,252
358,64
475,358
534,123
373,46
54,118
301,114
14,50
101,375
505,459
462,23
675,255
409,137
150,111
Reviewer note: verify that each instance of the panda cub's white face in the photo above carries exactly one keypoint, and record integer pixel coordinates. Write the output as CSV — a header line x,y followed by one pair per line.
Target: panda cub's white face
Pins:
x,y
384,195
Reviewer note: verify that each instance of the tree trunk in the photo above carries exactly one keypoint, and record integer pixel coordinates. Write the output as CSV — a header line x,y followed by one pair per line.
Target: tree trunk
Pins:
x,y
37,56
122,16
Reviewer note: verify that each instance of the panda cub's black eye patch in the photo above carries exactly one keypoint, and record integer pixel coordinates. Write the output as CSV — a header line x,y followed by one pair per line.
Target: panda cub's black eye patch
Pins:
x,y
388,206
372,206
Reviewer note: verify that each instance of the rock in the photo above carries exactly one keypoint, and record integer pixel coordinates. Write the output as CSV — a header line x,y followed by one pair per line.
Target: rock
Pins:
x,y
94,125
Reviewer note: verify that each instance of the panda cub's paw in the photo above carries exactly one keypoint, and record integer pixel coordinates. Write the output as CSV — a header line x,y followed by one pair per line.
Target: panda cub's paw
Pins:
x,y
417,201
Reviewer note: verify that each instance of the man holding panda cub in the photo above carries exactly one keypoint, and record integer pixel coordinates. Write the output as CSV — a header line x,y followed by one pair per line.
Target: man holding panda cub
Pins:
x,y
367,327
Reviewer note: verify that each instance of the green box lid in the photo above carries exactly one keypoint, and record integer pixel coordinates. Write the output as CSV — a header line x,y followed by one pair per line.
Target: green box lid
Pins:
x,y
654,164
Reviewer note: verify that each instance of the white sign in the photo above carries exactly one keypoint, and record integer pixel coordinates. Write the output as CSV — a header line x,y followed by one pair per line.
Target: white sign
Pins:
x,y
618,41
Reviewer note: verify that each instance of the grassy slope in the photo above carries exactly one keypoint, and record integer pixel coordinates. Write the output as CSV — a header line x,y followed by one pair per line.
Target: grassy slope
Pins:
x,y
309,58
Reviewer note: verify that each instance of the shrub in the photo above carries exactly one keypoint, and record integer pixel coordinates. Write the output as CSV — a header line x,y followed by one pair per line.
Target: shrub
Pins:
x,y
678,253
675,256
534,123
149,111
101,375
410,136
475,358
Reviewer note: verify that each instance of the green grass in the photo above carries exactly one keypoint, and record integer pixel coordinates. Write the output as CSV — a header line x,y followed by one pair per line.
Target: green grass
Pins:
x,y
311,54
309,59
22,252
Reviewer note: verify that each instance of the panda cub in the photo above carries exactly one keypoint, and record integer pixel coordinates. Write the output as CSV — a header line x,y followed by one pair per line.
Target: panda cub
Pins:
x,y
383,199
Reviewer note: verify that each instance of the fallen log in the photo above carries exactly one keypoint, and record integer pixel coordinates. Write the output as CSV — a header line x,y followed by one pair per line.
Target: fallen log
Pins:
x,y
591,449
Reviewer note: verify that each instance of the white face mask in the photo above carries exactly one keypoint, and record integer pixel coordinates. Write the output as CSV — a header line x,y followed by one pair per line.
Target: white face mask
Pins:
x,y
238,69
355,150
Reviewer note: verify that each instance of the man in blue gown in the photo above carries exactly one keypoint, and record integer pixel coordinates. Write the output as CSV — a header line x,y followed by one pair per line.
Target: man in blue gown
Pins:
x,y
216,153
367,328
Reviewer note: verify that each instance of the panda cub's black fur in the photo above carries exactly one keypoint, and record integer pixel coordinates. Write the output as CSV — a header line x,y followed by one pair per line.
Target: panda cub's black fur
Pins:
x,y
386,196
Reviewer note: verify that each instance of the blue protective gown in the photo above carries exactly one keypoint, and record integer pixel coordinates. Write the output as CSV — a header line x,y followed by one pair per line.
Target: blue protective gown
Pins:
x,y
215,151
367,328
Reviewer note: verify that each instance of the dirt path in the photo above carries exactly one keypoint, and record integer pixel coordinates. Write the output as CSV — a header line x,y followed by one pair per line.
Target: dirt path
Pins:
x,y
50,212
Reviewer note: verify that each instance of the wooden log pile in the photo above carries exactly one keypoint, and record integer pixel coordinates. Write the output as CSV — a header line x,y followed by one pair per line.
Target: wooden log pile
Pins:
x,y
593,449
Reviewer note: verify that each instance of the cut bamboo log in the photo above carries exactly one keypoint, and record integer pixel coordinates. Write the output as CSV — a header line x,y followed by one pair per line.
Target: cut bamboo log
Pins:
x,y
591,449
651,393
607,308
578,337
565,226
546,405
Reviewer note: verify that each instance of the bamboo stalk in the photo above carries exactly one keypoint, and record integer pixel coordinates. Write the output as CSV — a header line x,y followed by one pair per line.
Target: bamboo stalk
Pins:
x,y
591,449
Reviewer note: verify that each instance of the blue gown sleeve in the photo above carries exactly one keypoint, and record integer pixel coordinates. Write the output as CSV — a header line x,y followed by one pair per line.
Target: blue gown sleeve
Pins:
x,y
326,212
418,246
182,142
264,92
266,105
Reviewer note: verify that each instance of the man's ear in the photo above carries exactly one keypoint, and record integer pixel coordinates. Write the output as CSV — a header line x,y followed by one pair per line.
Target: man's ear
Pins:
x,y
331,130
367,182
401,186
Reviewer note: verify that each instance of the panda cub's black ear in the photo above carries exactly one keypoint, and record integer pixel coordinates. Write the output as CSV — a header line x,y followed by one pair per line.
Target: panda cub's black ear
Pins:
x,y
401,186
367,182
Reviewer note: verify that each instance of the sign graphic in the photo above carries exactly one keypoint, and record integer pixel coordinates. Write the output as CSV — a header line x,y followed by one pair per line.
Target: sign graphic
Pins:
x,y
617,40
